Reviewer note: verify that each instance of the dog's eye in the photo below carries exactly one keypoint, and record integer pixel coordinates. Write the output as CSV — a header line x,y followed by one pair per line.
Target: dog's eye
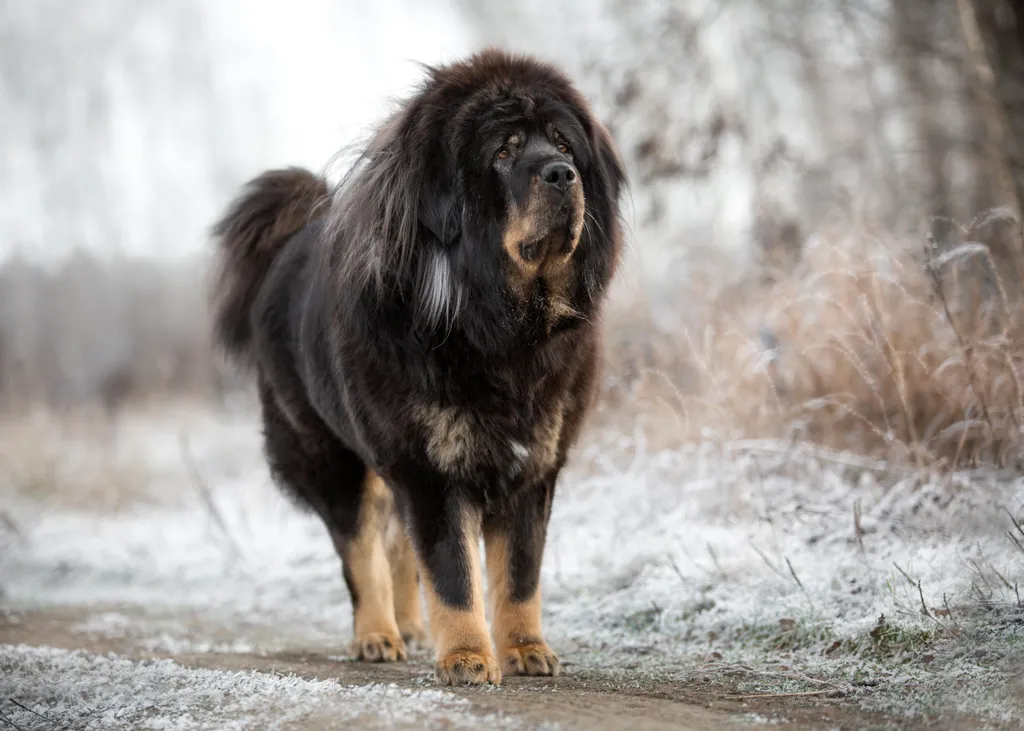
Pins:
x,y
504,153
563,148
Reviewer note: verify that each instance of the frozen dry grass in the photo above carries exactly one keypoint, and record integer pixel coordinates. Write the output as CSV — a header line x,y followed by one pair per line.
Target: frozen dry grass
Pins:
x,y
71,459
86,459
890,348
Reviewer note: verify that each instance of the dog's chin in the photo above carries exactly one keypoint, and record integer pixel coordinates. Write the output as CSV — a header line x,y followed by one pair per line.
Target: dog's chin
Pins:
x,y
555,242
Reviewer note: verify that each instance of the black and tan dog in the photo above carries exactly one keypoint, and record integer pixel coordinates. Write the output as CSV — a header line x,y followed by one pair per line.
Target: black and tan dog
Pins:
x,y
426,341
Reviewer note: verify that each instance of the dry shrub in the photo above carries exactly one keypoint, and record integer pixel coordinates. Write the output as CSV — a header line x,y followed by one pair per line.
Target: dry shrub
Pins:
x,y
894,349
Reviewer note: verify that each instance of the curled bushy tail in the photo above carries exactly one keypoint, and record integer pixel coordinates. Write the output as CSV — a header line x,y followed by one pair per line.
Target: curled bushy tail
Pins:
x,y
269,210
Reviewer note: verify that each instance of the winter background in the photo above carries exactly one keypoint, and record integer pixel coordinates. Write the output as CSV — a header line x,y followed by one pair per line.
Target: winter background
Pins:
x,y
803,473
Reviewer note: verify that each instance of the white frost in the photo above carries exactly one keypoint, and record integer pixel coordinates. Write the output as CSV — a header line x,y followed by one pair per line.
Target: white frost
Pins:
x,y
666,554
114,693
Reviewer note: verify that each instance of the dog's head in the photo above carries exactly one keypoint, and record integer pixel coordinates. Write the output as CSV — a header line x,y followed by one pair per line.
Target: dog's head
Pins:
x,y
491,202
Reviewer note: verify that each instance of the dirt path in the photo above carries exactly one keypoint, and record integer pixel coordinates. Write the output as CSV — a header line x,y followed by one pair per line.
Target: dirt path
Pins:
x,y
582,699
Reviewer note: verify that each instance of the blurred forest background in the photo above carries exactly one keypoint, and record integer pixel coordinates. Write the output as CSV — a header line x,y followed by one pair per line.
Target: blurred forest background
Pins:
x,y
825,237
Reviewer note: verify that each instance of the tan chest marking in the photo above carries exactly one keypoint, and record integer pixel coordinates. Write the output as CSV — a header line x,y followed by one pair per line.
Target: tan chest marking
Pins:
x,y
547,434
452,438
455,440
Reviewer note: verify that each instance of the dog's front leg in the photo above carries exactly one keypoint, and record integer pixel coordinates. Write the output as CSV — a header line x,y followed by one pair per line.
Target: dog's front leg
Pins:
x,y
446,533
514,537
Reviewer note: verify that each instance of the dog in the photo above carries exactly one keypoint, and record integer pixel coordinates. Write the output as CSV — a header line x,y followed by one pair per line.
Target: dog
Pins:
x,y
426,339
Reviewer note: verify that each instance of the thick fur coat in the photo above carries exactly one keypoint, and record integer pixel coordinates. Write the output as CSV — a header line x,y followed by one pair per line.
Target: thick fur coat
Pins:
x,y
426,341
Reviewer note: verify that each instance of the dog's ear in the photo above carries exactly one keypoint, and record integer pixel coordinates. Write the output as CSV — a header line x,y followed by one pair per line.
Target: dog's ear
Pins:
x,y
440,212
439,209
604,181
439,294
608,160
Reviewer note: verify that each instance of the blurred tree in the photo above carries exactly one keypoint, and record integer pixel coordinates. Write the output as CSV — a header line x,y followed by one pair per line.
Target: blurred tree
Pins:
x,y
994,30
914,35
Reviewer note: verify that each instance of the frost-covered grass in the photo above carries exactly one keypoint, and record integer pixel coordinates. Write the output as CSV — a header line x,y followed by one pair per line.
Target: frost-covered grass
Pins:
x,y
766,567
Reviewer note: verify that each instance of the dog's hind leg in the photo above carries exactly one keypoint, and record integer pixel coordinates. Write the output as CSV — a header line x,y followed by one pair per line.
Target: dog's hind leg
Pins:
x,y
368,574
406,585
309,461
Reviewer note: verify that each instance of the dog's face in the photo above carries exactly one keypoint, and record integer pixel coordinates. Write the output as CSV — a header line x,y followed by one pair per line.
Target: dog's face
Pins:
x,y
526,163
493,201
544,200
536,185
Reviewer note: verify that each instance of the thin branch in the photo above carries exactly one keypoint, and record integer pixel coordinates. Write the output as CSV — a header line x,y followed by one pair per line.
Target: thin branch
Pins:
x,y
949,613
206,496
924,607
1015,540
905,574
11,723
770,564
796,578
967,351
858,531
40,715
1015,523
714,559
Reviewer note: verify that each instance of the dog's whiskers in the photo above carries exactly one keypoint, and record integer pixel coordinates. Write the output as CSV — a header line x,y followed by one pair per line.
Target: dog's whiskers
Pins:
x,y
588,218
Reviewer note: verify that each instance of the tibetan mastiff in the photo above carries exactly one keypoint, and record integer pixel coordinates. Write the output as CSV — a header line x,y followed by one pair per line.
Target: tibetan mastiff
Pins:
x,y
425,338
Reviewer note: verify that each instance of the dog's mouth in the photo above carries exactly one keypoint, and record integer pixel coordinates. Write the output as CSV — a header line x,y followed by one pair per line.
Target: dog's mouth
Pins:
x,y
544,234
561,234
557,242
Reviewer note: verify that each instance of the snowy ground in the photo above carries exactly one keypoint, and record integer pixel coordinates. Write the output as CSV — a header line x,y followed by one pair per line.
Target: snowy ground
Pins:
x,y
748,569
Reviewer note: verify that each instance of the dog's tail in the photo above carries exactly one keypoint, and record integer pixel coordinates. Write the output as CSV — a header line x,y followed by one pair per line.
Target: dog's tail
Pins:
x,y
269,210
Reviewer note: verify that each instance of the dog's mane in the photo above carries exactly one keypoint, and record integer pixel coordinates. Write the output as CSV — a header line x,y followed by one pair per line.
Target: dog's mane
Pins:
x,y
399,209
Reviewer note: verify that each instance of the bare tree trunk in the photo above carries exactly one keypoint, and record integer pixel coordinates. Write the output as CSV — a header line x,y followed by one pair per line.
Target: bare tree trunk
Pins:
x,y
1002,29
994,31
912,29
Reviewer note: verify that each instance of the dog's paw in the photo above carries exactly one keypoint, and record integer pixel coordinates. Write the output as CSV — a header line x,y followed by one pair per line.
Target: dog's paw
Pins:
x,y
535,658
465,667
414,634
380,647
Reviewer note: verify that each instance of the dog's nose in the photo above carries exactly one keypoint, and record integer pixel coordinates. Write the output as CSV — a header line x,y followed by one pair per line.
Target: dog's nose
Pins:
x,y
560,174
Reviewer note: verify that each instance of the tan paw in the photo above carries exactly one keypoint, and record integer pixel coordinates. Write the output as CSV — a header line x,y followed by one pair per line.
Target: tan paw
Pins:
x,y
414,634
535,658
465,667
380,647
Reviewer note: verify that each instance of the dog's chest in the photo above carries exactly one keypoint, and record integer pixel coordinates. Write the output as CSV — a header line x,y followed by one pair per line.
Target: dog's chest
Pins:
x,y
464,442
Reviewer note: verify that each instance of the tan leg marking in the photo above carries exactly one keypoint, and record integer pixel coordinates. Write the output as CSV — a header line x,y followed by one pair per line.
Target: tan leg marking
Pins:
x,y
516,625
366,563
462,647
405,581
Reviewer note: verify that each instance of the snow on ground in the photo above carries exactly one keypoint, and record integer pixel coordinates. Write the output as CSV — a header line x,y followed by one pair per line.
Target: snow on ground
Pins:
x,y
770,559
111,692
